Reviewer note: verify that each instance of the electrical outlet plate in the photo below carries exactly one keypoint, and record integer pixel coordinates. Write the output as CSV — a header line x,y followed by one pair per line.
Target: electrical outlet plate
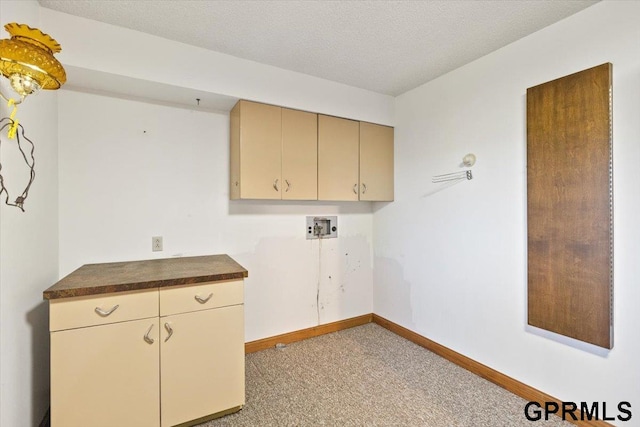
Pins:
x,y
325,227
156,243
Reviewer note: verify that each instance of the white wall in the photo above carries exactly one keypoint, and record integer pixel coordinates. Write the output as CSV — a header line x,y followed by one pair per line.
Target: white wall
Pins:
x,y
28,252
450,262
131,170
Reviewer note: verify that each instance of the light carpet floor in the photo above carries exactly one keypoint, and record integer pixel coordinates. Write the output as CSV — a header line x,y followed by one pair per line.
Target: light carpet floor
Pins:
x,y
368,376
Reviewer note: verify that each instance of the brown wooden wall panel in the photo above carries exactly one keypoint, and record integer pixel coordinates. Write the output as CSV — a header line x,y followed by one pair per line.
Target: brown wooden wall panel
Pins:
x,y
569,206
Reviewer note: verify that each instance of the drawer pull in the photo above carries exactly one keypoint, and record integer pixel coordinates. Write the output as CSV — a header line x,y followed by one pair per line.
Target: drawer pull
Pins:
x,y
103,313
147,338
355,188
170,330
203,300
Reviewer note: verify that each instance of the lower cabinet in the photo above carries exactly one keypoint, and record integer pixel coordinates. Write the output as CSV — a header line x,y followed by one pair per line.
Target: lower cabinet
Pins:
x,y
185,364
105,376
202,368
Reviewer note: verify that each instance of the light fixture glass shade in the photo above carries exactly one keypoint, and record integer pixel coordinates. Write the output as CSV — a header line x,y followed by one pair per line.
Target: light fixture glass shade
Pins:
x,y
27,60
23,85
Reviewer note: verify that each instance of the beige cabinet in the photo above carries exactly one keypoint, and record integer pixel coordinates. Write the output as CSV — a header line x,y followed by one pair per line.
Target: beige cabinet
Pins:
x,y
338,158
147,358
299,155
104,367
280,153
256,141
355,160
202,350
273,152
202,364
376,162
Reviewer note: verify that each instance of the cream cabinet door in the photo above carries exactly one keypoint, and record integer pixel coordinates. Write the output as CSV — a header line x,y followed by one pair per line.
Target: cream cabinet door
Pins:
x,y
299,155
202,371
105,376
376,162
256,149
338,158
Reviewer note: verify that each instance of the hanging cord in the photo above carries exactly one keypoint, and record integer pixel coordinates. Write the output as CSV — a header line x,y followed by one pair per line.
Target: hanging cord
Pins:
x,y
19,202
319,276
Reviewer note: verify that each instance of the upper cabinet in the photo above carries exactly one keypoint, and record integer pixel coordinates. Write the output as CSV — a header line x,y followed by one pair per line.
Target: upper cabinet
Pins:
x,y
280,153
299,155
355,160
256,141
273,153
338,141
376,162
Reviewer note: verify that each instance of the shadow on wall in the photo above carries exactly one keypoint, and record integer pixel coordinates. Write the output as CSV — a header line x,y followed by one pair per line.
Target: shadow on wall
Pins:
x,y
380,205
286,207
38,319
571,342
392,293
443,186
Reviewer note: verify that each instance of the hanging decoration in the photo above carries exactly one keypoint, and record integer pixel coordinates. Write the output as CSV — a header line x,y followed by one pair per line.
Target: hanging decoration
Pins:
x,y
27,62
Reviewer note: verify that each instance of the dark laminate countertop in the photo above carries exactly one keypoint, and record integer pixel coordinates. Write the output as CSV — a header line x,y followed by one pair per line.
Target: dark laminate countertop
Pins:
x,y
92,279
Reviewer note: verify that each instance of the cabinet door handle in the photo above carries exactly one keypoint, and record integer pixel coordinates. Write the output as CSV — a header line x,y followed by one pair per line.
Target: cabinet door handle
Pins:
x,y
275,184
170,330
288,185
103,313
203,300
355,188
147,338
364,188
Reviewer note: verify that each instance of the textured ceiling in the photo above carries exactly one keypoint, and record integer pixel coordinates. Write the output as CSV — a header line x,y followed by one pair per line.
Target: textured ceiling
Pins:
x,y
388,47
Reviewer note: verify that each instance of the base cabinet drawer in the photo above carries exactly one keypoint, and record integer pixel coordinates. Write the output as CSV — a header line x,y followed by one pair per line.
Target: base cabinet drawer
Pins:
x,y
182,299
78,312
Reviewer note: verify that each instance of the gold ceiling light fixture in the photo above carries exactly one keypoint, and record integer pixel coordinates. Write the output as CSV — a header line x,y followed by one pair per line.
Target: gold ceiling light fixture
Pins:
x,y
27,61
